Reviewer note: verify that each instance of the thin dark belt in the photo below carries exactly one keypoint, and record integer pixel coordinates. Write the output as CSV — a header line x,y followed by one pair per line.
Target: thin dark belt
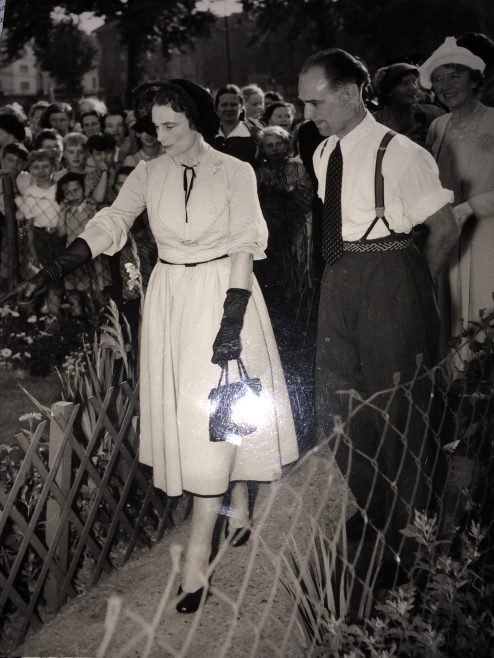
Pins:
x,y
194,264
392,244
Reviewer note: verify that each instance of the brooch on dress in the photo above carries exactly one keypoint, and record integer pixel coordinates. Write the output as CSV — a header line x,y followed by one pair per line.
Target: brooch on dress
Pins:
x,y
217,166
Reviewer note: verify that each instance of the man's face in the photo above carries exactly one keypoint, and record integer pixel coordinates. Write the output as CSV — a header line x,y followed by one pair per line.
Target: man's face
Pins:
x,y
60,121
91,125
114,126
326,106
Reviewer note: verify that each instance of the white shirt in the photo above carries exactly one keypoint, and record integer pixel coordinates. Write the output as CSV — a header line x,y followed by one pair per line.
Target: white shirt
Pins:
x,y
240,130
412,189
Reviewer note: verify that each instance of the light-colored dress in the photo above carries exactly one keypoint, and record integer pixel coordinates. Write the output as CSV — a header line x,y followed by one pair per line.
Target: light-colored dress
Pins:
x,y
182,313
465,156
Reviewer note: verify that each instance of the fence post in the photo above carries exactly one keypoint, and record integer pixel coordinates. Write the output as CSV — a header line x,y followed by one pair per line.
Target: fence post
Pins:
x,y
10,247
61,412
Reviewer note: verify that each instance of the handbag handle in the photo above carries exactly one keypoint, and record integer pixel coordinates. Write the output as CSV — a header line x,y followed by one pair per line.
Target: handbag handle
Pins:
x,y
242,371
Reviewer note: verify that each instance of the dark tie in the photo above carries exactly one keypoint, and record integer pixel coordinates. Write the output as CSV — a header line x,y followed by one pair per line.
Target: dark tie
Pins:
x,y
332,242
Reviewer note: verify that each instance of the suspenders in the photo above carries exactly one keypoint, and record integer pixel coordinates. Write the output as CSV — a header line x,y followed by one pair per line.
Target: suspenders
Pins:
x,y
379,185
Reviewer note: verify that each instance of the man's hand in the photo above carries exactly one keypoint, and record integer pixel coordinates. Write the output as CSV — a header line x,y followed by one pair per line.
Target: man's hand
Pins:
x,y
444,232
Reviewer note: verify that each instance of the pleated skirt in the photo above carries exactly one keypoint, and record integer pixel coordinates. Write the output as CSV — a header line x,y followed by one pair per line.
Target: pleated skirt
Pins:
x,y
182,314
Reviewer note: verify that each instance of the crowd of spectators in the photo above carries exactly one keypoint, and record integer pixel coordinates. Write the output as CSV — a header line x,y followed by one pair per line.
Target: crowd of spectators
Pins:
x,y
67,162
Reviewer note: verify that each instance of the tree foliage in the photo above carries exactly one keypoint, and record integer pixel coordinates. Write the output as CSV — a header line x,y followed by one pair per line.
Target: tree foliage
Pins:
x,y
143,24
381,29
66,37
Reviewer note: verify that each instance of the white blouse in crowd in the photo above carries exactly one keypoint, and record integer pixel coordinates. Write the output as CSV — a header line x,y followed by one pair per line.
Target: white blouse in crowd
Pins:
x,y
223,211
412,189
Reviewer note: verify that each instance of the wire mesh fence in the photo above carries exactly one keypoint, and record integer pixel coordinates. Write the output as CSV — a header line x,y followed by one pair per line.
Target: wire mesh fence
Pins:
x,y
315,582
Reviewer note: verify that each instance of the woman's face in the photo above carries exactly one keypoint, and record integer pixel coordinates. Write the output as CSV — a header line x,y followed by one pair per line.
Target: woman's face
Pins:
x,y
173,129
74,156
254,106
229,108
405,92
91,125
73,193
453,87
282,116
114,126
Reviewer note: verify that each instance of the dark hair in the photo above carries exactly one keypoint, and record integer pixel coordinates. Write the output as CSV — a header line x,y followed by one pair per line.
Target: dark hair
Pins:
x,y
176,100
71,177
13,126
124,171
274,96
47,133
339,67
40,154
389,77
113,114
55,108
39,105
268,112
478,44
91,113
102,142
16,149
228,89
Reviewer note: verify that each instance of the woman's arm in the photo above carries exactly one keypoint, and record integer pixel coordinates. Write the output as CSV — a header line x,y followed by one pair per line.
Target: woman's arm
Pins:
x,y
241,272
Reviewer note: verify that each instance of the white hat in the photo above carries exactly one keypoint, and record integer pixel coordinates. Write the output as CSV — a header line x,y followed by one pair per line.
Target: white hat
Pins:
x,y
449,53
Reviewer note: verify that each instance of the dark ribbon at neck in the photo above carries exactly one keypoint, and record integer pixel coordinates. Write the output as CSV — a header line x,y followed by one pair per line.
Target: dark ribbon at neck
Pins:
x,y
188,185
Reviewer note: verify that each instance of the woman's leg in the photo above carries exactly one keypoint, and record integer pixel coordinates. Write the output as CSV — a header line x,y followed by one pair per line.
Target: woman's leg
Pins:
x,y
239,505
204,515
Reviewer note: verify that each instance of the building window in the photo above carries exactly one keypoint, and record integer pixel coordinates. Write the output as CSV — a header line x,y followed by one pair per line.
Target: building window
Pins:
x,y
23,68
25,86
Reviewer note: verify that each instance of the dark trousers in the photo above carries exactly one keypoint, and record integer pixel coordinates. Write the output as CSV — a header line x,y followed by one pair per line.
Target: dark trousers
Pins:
x,y
377,313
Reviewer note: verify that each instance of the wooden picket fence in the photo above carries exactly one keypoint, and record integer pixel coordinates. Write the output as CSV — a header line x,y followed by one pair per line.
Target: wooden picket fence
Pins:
x,y
78,507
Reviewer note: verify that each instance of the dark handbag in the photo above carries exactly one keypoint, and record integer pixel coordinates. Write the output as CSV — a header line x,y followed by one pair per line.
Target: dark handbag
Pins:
x,y
227,417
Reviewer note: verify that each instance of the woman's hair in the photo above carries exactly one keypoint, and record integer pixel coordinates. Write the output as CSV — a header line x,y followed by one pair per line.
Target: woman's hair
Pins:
x,y
268,112
55,108
278,131
251,90
67,178
74,139
273,96
38,155
92,113
177,101
228,89
339,67
102,142
16,149
39,105
478,44
95,105
48,133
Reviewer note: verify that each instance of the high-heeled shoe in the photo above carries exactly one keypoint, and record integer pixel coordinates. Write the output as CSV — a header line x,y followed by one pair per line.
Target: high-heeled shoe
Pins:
x,y
191,601
238,537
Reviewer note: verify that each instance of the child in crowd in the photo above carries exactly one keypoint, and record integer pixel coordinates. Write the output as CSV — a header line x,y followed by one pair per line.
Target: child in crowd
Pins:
x,y
85,286
74,154
100,179
150,147
114,125
51,141
38,206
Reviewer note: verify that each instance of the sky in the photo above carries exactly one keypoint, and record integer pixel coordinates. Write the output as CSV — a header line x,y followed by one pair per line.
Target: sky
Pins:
x,y
89,22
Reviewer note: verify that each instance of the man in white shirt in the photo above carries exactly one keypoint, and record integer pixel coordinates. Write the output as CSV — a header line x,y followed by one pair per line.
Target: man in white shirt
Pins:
x,y
377,308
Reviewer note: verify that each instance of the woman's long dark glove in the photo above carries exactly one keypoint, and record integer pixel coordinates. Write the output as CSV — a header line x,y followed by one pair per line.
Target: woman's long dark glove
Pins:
x,y
76,254
227,344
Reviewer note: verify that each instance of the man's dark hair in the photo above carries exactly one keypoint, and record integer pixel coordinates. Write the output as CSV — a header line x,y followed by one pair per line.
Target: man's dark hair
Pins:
x,y
70,177
102,142
339,67
47,133
91,113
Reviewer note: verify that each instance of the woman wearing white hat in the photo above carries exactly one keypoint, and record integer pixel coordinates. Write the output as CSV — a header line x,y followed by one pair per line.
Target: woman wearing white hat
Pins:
x,y
462,142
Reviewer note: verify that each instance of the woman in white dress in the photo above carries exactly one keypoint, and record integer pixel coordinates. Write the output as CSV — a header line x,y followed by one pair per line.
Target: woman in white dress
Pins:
x,y
202,308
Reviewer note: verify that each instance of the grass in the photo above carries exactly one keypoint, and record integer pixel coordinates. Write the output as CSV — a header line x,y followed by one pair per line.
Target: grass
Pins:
x,y
15,403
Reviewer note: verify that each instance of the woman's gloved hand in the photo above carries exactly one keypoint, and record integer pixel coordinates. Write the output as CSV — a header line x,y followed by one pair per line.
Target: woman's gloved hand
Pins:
x,y
76,254
227,344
